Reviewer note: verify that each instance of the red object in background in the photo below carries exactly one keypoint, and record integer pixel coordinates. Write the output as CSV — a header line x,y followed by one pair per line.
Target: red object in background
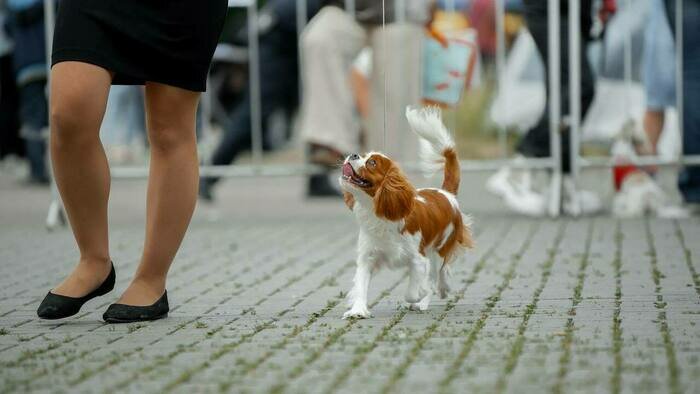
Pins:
x,y
620,172
607,10
482,17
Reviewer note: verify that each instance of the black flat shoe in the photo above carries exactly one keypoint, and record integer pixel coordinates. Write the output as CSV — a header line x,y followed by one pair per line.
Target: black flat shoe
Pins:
x,y
56,306
121,313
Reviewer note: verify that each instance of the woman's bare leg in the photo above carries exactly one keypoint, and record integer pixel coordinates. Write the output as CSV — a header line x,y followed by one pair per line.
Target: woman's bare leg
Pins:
x,y
653,126
172,187
78,100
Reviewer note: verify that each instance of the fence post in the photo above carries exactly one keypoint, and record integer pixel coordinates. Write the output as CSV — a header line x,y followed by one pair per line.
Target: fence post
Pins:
x,y
54,216
627,64
575,93
501,72
254,71
350,7
554,59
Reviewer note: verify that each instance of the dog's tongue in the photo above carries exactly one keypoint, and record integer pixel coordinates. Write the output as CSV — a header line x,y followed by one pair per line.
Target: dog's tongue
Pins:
x,y
347,170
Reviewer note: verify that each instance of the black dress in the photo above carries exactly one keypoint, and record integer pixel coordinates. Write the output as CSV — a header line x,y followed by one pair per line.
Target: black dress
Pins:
x,y
164,41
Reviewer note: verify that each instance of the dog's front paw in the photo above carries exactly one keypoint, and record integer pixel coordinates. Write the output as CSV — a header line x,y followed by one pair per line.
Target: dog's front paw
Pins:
x,y
357,313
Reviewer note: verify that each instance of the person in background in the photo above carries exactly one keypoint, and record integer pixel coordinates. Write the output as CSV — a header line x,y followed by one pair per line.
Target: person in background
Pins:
x,y
516,190
123,130
329,44
26,27
10,142
658,75
689,177
278,85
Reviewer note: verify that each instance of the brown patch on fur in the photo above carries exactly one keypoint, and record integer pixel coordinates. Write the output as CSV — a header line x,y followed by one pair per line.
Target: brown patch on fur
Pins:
x,y
452,172
349,200
392,193
432,218
395,199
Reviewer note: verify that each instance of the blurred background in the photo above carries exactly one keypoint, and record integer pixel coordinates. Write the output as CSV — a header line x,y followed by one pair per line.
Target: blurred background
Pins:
x,y
295,86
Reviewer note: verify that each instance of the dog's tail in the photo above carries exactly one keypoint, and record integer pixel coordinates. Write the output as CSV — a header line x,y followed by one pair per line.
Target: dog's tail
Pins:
x,y
437,148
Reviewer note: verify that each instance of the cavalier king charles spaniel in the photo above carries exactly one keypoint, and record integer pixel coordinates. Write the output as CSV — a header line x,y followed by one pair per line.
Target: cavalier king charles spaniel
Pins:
x,y
402,226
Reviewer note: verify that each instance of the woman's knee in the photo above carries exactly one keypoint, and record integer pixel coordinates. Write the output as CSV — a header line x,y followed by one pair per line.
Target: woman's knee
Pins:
x,y
167,136
70,124
78,101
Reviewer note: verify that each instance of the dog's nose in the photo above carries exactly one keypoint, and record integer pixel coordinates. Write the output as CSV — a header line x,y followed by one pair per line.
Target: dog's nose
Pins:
x,y
354,156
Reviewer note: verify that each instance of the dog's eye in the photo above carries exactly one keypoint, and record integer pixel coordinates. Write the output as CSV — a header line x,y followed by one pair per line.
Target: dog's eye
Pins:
x,y
371,163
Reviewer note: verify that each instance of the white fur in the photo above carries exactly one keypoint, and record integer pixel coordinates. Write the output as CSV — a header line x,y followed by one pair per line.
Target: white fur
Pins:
x,y
638,196
434,137
381,242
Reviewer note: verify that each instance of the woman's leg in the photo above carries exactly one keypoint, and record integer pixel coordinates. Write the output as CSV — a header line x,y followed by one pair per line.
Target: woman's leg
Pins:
x,y
172,187
78,100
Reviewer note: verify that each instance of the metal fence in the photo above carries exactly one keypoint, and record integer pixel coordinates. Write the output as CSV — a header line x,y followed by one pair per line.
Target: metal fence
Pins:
x,y
552,163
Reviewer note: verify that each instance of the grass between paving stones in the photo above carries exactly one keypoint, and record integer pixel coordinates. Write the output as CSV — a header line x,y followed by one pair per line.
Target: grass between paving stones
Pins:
x,y
616,378
332,338
186,376
362,351
86,373
68,340
248,311
453,370
674,384
100,306
245,368
22,280
688,257
117,358
227,348
566,341
511,360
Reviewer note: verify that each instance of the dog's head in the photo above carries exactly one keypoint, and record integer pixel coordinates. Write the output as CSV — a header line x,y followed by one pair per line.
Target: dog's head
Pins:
x,y
375,177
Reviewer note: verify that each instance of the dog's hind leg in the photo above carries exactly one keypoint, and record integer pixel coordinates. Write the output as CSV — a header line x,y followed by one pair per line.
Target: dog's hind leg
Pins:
x,y
443,286
418,279
435,262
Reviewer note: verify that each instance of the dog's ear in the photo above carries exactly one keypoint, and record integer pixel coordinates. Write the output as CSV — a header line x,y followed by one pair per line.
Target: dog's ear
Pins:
x,y
393,200
349,200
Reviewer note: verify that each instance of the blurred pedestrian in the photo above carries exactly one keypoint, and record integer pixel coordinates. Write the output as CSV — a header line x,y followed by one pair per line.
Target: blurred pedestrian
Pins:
x,y
330,43
658,73
123,131
279,79
515,186
166,46
26,27
10,142
689,178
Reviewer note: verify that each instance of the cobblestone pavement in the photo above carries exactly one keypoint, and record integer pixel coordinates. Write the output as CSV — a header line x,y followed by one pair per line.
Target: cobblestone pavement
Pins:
x,y
594,305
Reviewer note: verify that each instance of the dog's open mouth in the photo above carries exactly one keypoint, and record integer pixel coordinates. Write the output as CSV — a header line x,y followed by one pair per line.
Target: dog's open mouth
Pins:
x,y
351,176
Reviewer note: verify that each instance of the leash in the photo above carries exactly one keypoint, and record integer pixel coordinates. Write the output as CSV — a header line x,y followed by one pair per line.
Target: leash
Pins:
x,y
384,73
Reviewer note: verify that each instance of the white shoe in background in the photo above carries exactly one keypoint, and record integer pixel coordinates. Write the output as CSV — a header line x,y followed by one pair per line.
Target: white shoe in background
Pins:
x,y
579,202
515,188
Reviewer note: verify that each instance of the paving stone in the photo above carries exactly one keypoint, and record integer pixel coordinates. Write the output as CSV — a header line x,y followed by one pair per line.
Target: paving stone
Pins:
x,y
585,306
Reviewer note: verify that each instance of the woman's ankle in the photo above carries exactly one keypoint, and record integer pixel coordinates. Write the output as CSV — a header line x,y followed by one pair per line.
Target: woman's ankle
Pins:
x,y
96,261
143,291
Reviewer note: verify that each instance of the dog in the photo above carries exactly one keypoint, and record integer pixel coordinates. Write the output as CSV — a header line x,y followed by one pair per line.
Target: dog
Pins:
x,y
637,193
402,226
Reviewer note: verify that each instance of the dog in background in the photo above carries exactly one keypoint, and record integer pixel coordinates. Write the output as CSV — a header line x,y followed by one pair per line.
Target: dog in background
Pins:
x,y
401,226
